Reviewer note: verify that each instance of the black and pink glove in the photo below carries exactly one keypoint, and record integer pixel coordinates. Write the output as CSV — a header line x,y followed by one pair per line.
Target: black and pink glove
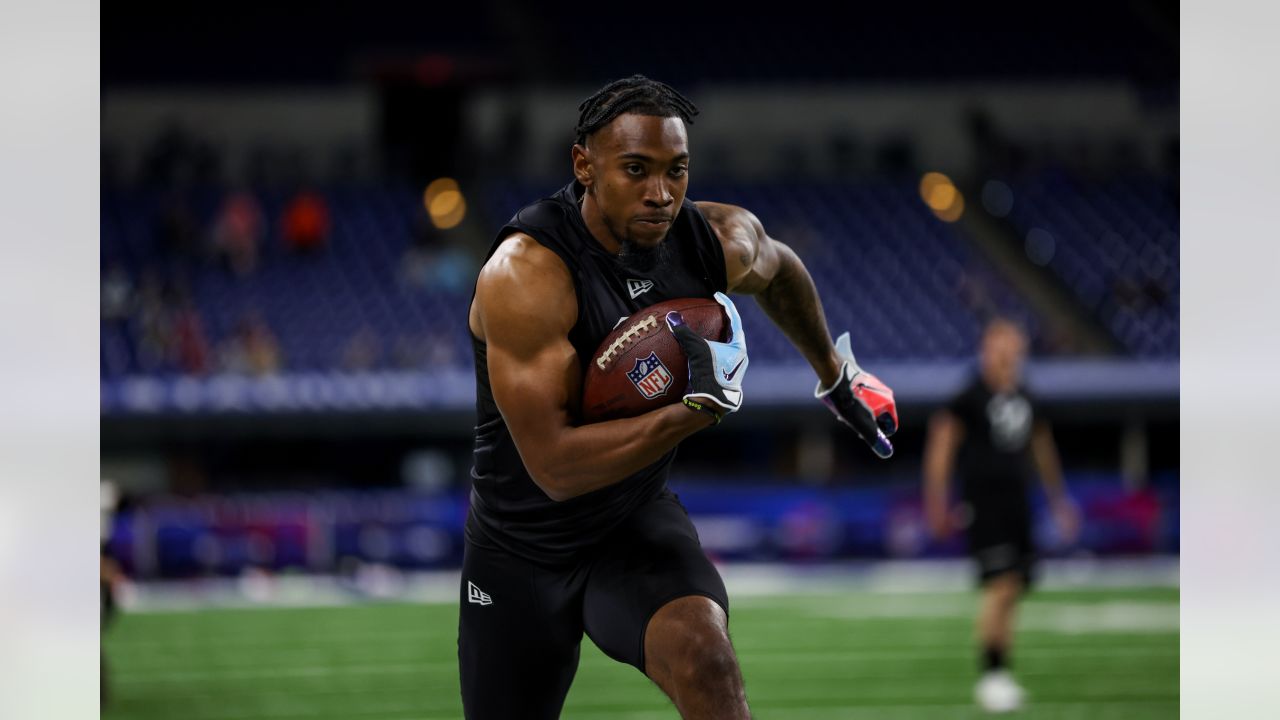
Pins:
x,y
861,401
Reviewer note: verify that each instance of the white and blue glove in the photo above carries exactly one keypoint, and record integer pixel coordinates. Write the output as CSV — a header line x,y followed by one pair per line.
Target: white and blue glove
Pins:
x,y
715,368
861,401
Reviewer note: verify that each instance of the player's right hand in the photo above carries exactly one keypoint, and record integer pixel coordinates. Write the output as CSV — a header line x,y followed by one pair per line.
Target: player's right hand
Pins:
x,y
715,368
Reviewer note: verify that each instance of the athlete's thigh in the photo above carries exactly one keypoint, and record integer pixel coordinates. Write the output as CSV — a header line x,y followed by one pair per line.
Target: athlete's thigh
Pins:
x,y
653,558
519,630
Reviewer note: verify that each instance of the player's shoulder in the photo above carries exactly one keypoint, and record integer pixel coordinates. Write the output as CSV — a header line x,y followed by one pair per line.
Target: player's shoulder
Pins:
x,y
971,394
544,214
729,218
520,260
740,234
1028,395
524,287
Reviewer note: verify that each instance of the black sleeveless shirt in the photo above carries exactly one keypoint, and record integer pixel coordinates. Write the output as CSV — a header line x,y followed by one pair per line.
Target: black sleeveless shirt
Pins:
x,y
995,463
508,510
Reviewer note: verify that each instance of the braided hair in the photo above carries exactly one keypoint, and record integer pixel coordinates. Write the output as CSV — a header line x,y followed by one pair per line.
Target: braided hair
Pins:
x,y
636,94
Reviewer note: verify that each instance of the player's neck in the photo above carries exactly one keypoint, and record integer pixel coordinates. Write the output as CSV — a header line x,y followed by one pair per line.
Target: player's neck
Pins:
x,y
998,385
594,220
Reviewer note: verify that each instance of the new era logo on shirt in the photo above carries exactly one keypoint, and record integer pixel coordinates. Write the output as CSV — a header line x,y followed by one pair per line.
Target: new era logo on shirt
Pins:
x,y
476,595
638,287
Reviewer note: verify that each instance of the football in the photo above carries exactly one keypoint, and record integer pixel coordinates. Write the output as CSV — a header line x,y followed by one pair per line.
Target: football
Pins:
x,y
640,367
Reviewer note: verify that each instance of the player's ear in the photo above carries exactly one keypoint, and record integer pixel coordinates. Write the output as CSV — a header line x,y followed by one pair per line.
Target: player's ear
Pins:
x,y
582,165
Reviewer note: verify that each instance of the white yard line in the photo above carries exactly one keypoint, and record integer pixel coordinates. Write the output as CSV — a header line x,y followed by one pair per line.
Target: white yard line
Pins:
x,y
743,580
1114,616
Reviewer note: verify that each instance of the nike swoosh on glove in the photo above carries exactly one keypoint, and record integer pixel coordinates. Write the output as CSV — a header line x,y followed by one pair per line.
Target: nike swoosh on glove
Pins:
x,y
716,368
861,401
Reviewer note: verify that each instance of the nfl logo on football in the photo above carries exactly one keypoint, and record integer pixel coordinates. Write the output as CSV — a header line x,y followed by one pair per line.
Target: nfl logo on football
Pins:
x,y
650,377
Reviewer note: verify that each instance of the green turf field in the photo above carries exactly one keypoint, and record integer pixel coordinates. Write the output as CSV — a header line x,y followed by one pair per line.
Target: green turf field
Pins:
x,y
1091,655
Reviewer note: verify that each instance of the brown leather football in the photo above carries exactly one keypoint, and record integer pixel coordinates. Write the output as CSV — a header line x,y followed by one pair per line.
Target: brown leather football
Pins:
x,y
640,367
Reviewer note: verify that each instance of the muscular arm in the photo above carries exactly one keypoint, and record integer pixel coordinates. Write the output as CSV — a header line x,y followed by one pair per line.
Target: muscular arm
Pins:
x,y
759,265
523,311
945,434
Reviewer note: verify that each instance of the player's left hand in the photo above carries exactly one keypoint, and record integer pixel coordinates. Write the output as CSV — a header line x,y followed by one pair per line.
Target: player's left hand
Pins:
x,y
861,401
1067,517
938,520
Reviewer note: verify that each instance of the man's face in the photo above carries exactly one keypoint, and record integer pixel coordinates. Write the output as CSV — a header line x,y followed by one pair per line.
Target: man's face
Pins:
x,y
1003,350
637,169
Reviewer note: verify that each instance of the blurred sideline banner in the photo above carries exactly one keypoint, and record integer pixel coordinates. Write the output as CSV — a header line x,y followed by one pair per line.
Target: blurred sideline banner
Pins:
x,y
1083,380
344,532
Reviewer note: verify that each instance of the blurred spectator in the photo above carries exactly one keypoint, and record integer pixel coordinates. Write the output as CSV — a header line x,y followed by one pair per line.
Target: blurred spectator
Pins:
x,y
117,294
252,350
117,354
237,232
453,270
177,227
190,346
170,332
152,326
305,223
431,263
417,352
363,351
993,150
177,158
263,350
973,292
441,350
416,262
169,157
410,352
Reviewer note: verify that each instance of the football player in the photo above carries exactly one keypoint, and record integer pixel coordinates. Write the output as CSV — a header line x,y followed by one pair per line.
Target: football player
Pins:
x,y
572,528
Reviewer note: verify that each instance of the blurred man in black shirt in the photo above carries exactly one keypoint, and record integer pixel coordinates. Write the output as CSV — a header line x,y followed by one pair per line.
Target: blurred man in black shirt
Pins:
x,y
996,433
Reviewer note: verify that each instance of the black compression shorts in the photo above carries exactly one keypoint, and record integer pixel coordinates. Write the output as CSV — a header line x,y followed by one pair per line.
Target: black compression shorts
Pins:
x,y
521,624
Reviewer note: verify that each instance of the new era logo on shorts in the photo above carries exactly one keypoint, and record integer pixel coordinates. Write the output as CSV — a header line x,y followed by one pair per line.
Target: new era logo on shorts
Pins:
x,y
476,595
